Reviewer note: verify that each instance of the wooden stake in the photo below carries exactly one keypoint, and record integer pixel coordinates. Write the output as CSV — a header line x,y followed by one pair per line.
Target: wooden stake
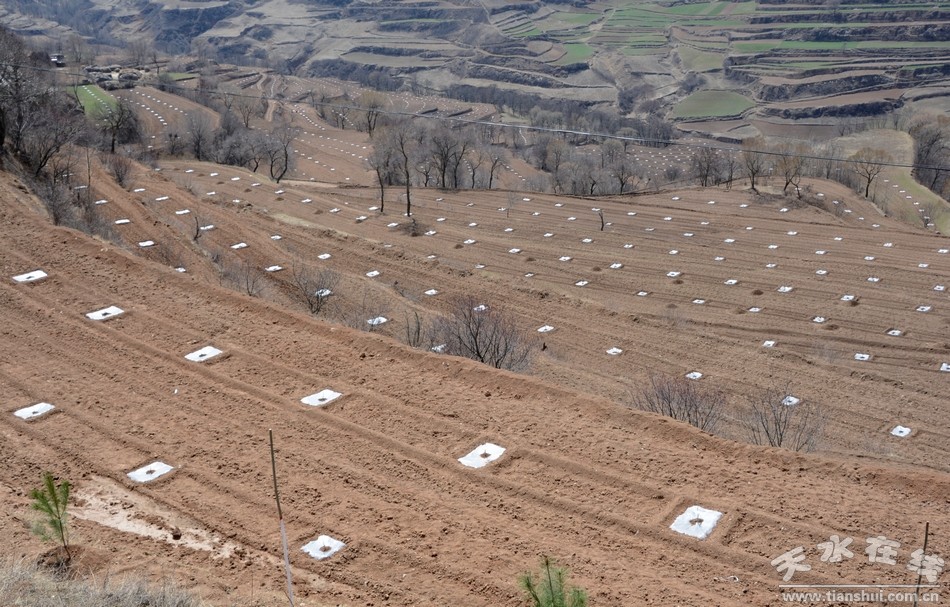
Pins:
x,y
283,529
924,554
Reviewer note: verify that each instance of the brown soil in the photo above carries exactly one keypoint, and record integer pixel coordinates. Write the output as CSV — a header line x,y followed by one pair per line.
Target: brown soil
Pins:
x,y
584,479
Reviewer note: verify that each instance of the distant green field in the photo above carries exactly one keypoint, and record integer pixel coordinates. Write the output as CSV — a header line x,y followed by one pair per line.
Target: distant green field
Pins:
x,y
643,27
577,18
755,47
529,33
698,60
94,100
576,52
712,104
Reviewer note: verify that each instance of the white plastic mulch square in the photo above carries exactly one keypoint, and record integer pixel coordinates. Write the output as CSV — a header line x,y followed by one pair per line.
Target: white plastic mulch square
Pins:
x,y
323,547
31,276
696,522
147,243
150,472
379,320
105,313
372,273
322,397
769,343
545,329
791,401
482,455
203,354
861,356
273,268
615,351
240,245
901,431
34,411
694,375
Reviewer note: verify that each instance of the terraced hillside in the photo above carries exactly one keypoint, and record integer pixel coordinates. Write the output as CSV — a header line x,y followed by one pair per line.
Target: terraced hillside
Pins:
x,y
172,344
806,61
582,477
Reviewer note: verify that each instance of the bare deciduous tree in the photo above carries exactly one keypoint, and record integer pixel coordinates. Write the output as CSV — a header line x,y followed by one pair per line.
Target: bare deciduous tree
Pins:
x,y
371,104
497,161
120,125
753,160
401,139
868,164
53,129
791,164
279,154
199,135
383,161
682,399
705,161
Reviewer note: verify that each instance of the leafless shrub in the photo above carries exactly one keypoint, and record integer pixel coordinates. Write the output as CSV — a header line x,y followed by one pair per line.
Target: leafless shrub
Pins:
x,y
682,399
484,333
120,167
419,333
371,305
164,254
245,277
312,287
57,201
772,419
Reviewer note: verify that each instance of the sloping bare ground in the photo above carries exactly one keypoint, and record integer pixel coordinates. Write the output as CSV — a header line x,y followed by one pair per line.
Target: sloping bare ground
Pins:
x,y
584,479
